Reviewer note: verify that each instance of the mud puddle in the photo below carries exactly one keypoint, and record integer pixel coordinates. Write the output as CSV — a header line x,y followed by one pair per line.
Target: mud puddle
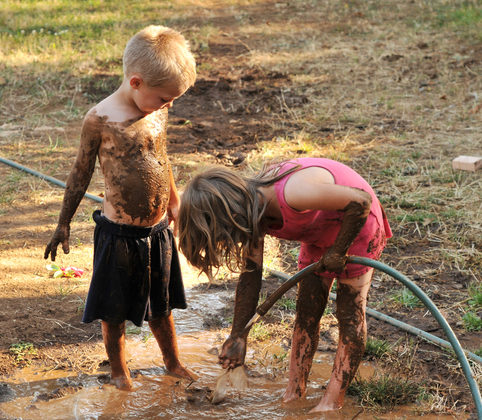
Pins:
x,y
62,395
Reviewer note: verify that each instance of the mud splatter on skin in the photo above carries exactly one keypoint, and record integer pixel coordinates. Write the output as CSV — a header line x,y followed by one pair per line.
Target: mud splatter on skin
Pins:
x,y
247,295
77,182
311,303
354,218
351,317
83,167
114,342
134,161
375,242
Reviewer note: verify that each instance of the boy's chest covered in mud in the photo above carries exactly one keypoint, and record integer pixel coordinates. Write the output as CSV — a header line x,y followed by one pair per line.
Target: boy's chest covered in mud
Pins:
x,y
134,162
144,138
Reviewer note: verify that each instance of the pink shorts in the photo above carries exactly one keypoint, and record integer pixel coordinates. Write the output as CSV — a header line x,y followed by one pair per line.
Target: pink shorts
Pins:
x,y
369,243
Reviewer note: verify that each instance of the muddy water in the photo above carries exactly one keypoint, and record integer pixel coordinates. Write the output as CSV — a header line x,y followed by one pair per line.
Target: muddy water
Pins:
x,y
157,395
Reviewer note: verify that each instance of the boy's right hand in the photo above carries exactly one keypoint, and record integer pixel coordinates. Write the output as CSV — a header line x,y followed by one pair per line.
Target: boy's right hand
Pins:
x,y
61,235
233,352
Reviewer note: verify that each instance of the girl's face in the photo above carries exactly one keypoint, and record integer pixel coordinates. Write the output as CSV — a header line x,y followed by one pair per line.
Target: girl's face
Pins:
x,y
149,99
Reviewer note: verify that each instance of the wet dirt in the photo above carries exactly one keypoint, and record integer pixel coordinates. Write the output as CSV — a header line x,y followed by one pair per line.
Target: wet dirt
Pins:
x,y
64,395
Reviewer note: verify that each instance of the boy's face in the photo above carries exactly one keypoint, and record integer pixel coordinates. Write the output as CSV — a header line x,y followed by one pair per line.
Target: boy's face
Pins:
x,y
149,99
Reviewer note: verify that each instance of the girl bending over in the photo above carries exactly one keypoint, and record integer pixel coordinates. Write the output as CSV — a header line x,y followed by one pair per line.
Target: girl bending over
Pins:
x,y
332,212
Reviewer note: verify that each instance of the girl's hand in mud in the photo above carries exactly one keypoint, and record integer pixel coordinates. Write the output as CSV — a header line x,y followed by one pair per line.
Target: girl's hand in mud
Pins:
x,y
233,353
61,235
332,261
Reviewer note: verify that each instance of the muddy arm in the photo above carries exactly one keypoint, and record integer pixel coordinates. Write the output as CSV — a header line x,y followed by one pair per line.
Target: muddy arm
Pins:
x,y
354,218
77,184
233,351
315,191
247,295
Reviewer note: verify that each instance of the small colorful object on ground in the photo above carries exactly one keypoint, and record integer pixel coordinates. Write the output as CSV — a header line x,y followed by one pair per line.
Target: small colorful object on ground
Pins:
x,y
69,271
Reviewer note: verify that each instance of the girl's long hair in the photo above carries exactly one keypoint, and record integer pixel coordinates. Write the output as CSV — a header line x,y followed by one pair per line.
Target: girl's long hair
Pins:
x,y
220,217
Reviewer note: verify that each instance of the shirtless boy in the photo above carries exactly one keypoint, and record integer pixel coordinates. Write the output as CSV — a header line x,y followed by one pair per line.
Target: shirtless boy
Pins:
x,y
136,273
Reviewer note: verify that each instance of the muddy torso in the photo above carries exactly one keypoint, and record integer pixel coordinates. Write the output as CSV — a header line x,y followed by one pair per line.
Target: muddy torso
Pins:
x,y
134,162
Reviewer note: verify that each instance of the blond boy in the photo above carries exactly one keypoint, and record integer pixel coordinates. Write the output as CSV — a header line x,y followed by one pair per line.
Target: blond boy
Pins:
x,y
136,273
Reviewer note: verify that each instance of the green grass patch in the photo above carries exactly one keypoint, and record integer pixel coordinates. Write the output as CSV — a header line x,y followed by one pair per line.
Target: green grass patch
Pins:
x,y
260,332
384,391
405,204
281,356
9,186
475,293
64,30
406,298
80,304
417,217
465,17
472,321
22,350
377,348
286,304
294,252
133,330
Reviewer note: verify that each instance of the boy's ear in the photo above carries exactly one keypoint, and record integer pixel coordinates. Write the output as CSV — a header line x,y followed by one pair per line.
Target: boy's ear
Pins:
x,y
135,81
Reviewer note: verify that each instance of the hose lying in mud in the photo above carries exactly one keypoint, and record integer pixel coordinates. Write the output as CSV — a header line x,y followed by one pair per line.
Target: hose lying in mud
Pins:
x,y
474,389
46,177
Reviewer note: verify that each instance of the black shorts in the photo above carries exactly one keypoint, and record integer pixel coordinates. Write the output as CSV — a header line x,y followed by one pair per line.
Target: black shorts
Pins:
x,y
137,275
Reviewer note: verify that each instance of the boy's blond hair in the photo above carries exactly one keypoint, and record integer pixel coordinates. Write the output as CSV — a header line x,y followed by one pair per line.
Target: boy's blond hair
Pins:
x,y
160,55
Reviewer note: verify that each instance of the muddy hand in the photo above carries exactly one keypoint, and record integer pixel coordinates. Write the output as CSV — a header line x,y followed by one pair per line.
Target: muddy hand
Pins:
x,y
233,353
332,261
61,235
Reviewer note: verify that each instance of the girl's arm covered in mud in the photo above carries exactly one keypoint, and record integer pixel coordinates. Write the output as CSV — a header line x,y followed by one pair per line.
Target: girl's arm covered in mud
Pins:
x,y
307,191
246,301
354,218
77,183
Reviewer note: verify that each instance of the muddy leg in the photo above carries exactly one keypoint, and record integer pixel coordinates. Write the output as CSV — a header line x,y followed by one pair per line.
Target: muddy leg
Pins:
x,y
350,311
114,341
313,294
165,333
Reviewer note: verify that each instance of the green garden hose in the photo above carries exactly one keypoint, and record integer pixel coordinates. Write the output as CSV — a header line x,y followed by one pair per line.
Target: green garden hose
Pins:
x,y
296,278
43,176
474,389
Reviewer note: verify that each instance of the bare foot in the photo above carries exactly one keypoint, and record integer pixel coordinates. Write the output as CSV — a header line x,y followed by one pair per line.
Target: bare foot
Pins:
x,y
325,406
181,372
292,393
122,382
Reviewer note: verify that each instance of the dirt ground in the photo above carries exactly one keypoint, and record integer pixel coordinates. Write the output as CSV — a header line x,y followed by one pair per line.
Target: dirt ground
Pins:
x,y
226,118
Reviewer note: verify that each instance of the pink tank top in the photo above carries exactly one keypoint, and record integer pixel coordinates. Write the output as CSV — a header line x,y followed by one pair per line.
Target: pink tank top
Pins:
x,y
320,227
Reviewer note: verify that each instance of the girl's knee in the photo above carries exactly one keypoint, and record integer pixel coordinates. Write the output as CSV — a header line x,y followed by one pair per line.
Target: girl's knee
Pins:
x,y
360,282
